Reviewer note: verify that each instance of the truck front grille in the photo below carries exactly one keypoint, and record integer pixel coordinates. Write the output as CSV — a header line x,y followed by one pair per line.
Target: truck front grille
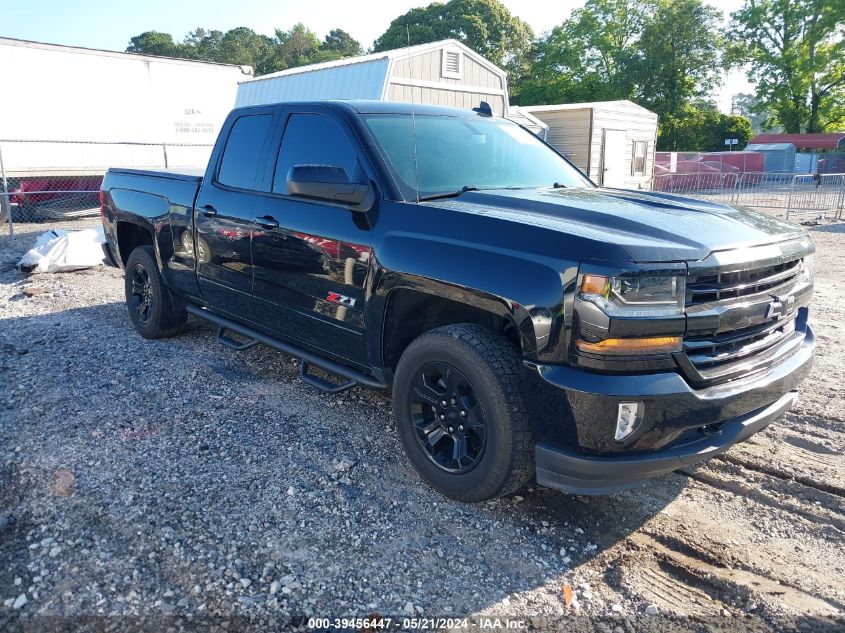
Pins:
x,y
741,322
727,355
742,283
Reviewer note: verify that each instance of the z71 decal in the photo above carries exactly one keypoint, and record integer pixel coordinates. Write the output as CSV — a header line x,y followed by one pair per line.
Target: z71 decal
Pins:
x,y
334,297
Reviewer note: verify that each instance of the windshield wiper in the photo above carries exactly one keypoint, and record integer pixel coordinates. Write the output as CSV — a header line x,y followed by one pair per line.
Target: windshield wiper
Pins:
x,y
450,194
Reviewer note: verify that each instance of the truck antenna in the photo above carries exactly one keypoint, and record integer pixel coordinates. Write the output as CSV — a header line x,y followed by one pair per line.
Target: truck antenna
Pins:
x,y
413,119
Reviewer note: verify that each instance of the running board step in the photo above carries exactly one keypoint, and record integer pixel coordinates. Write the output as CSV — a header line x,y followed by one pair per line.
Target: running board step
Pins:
x,y
309,359
231,343
323,385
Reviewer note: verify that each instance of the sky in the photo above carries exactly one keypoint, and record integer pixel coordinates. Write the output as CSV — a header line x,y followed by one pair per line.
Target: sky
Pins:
x,y
108,24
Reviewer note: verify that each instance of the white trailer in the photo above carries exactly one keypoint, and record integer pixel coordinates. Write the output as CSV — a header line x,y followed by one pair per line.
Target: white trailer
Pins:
x,y
612,142
76,111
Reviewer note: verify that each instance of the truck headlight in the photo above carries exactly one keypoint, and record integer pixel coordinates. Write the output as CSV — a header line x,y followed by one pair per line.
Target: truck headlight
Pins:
x,y
635,295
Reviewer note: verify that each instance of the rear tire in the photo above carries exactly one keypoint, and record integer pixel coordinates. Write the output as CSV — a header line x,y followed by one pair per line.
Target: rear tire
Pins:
x,y
459,406
148,300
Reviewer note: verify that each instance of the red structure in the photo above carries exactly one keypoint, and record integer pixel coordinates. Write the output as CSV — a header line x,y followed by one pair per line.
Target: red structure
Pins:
x,y
705,170
807,142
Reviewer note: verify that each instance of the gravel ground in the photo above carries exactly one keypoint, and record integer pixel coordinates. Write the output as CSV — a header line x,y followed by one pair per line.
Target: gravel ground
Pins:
x,y
145,483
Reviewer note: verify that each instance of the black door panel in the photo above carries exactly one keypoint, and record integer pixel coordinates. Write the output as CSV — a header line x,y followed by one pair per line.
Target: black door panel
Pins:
x,y
310,270
224,213
222,249
316,272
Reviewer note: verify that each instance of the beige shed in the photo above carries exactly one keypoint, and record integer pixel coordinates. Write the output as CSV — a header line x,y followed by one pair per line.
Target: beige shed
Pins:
x,y
440,73
612,142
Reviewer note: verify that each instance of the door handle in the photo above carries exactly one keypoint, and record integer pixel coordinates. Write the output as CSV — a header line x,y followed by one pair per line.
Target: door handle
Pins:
x,y
267,222
209,211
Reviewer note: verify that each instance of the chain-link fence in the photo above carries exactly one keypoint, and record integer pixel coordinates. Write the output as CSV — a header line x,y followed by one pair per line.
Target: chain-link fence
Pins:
x,y
820,162
49,180
709,162
757,179
773,160
794,194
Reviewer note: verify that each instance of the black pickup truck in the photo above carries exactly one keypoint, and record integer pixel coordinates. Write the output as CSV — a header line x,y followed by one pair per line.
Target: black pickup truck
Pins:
x,y
526,321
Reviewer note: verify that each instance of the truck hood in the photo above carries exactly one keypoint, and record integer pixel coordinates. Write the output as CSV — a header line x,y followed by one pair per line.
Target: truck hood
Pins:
x,y
648,226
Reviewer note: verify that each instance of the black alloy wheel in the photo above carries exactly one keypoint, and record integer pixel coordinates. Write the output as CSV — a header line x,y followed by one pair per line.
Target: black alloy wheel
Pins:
x,y
448,418
460,412
150,305
142,296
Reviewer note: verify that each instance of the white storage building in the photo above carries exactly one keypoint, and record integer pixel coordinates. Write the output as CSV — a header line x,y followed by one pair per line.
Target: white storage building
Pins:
x,y
612,142
439,73
528,121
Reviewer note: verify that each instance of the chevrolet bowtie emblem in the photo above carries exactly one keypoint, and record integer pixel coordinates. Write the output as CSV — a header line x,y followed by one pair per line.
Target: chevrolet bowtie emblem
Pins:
x,y
779,306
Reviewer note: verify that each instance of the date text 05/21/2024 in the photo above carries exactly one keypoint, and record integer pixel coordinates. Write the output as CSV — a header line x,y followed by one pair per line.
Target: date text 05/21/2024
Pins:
x,y
375,623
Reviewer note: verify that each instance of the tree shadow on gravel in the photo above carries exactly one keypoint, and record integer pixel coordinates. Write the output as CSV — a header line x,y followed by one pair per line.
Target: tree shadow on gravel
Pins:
x,y
236,489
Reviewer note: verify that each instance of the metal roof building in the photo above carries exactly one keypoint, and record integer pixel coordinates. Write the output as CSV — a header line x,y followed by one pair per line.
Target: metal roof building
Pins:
x,y
440,73
778,157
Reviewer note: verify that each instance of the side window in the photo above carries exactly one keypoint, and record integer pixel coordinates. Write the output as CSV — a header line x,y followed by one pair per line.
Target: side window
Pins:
x,y
239,164
312,139
638,162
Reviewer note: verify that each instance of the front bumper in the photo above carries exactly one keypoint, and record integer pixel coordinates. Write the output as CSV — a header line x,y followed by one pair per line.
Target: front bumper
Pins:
x,y
574,416
586,475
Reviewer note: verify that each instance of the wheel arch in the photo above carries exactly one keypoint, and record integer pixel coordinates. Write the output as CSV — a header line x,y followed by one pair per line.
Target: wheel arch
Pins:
x,y
131,235
140,219
417,306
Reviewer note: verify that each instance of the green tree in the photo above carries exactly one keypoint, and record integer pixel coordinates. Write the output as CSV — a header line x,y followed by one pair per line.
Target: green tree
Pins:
x,y
341,44
677,56
588,57
296,47
154,43
660,54
795,54
486,26
701,129
240,45
729,126
556,75
245,47
204,45
746,104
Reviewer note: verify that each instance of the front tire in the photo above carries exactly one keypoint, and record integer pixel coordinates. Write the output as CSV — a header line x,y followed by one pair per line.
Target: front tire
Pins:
x,y
148,300
459,406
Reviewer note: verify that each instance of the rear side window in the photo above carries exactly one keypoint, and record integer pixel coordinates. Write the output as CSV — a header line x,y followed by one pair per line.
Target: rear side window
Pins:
x,y
239,165
312,139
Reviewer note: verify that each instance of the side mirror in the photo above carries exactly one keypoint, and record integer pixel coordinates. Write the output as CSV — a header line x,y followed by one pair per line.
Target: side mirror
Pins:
x,y
326,183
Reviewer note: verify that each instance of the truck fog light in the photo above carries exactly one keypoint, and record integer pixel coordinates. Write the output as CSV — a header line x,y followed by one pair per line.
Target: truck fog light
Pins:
x,y
628,419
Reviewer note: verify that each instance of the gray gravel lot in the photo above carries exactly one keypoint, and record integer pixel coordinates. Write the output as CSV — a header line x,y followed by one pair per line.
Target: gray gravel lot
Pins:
x,y
177,481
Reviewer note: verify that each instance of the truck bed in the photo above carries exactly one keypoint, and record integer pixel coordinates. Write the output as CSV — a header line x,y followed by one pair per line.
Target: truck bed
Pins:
x,y
187,174
158,200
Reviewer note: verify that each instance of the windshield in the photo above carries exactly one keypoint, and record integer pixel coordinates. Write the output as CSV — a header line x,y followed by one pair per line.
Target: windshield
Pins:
x,y
461,152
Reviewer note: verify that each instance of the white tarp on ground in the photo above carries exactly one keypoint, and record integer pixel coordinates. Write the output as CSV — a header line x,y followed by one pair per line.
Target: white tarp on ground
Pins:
x,y
60,251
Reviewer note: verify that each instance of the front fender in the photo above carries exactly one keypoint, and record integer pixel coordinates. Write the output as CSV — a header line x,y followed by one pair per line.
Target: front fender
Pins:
x,y
527,290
